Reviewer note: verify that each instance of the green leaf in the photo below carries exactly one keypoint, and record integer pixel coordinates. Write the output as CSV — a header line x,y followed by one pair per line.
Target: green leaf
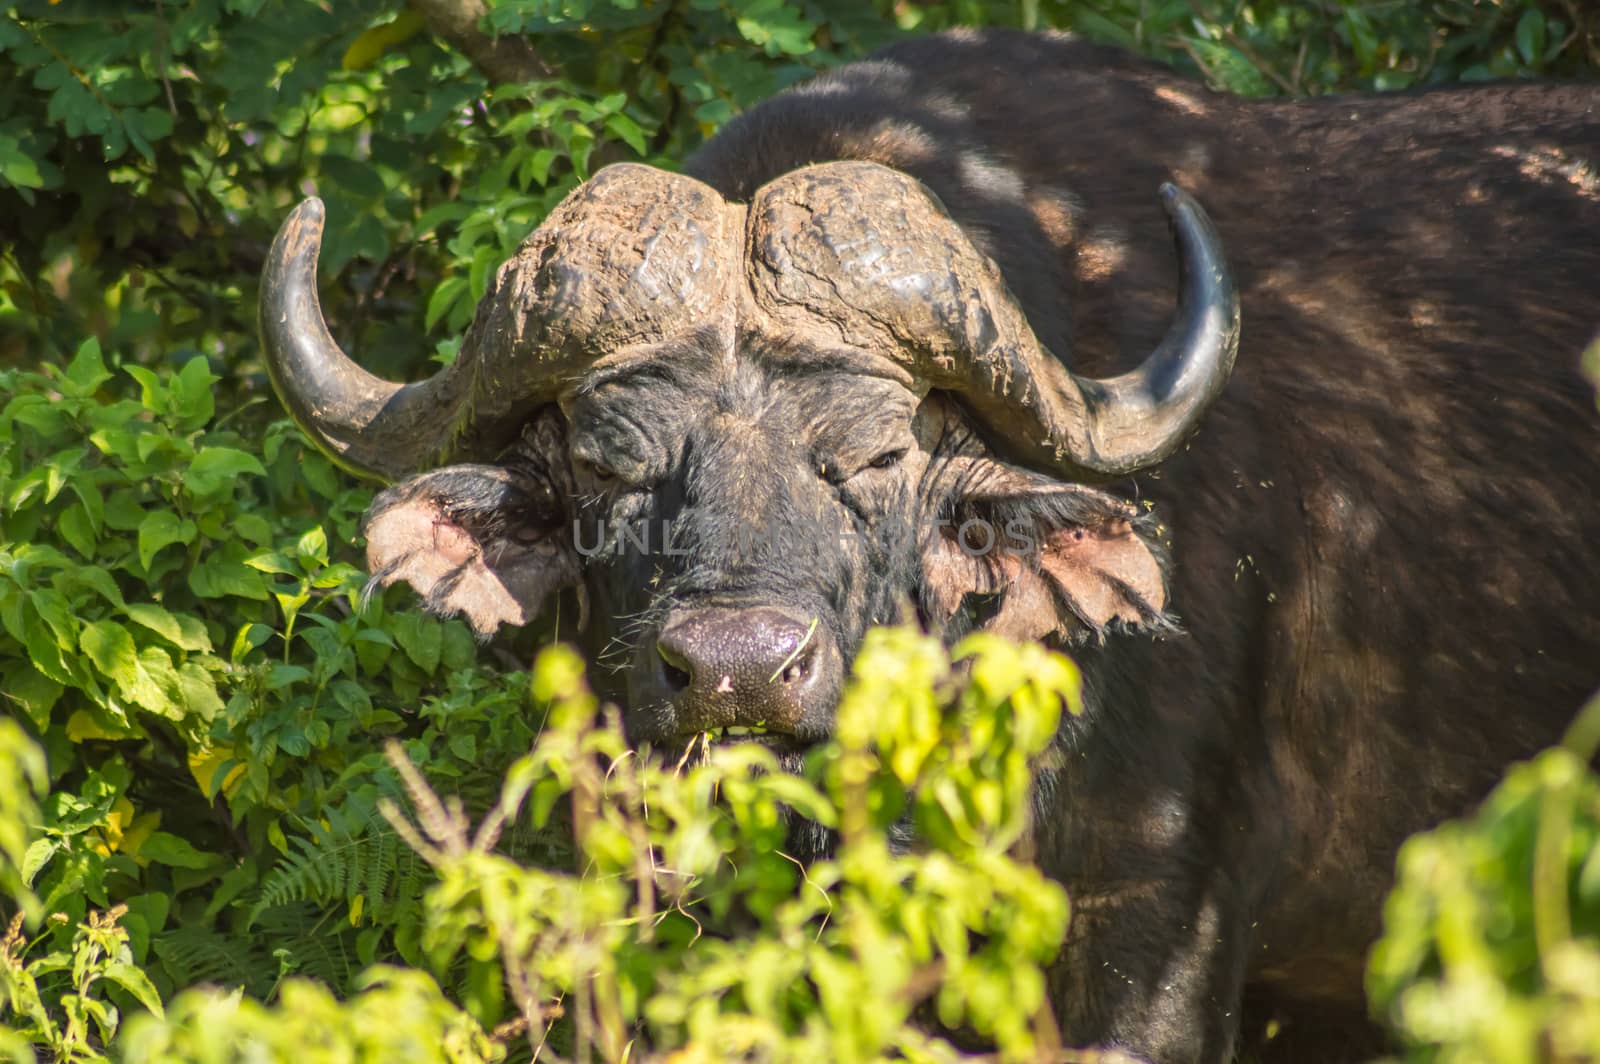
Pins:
x,y
249,637
421,638
221,576
777,28
111,649
198,691
161,528
313,546
122,510
25,686
1530,36
254,528
460,648
357,178
87,370
77,529
136,674
446,295
97,580
147,125
271,561
177,852
37,856
152,393
94,507
18,170
217,468
627,130
539,164
439,214
186,632
191,395
38,413
1232,69
56,612
804,798
25,625
282,676
135,982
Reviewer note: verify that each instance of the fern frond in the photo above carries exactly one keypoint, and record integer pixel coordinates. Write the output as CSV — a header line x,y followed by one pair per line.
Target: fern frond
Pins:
x,y
313,943
194,955
331,867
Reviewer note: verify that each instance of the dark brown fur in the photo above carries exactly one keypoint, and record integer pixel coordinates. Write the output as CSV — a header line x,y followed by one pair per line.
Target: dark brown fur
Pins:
x,y
1384,535
1368,582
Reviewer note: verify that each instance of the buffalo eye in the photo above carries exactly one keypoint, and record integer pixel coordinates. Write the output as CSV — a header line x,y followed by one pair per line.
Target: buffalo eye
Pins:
x,y
888,458
597,471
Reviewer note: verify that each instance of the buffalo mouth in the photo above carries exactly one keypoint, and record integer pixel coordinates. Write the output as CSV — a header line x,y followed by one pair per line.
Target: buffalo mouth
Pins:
x,y
739,733
683,752
692,744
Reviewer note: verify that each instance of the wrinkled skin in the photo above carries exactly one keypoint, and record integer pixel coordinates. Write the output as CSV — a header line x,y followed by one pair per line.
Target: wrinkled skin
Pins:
x,y
820,493
1380,546
838,495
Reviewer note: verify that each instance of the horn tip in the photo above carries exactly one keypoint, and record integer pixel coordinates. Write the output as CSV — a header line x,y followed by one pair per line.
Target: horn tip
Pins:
x,y
1173,198
307,217
299,236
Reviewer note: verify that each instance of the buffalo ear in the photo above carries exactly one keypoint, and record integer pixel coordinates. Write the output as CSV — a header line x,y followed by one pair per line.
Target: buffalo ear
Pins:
x,y
1058,563
488,542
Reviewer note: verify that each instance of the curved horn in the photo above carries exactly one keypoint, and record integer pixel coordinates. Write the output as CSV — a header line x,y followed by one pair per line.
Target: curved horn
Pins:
x,y
925,297
1142,416
366,424
630,257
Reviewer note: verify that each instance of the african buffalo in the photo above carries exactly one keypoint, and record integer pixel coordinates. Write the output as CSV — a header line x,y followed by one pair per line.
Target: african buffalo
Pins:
x,y
828,363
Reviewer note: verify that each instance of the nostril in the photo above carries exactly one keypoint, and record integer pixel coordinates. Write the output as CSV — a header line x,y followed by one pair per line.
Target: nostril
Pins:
x,y
674,668
797,666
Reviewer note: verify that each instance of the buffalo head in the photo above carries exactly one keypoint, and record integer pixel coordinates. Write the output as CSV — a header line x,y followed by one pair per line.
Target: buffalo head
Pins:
x,y
747,432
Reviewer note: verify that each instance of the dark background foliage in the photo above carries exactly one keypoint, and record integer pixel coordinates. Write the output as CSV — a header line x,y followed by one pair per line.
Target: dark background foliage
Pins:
x,y
180,624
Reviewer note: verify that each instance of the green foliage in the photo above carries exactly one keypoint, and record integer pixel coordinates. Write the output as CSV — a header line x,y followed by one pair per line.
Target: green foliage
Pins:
x,y
210,691
370,870
22,781
1491,947
688,929
74,1023
147,152
686,922
190,786
1285,47
397,1014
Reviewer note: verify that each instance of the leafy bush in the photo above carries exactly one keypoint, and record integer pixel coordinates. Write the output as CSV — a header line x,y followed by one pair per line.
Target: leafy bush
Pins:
x,y
1491,949
685,923
210,693
182,634
397,1014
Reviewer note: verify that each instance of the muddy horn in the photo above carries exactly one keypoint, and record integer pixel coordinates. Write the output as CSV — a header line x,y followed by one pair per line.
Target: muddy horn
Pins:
x,y
591,280
922,295
369,425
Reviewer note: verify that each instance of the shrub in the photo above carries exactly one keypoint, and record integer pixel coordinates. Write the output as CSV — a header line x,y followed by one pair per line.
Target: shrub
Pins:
x,y
680,923
1491,945
210,694
182,635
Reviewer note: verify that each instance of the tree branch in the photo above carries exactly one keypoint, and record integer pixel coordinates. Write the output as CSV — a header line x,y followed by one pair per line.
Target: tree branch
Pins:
x,y
503,60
